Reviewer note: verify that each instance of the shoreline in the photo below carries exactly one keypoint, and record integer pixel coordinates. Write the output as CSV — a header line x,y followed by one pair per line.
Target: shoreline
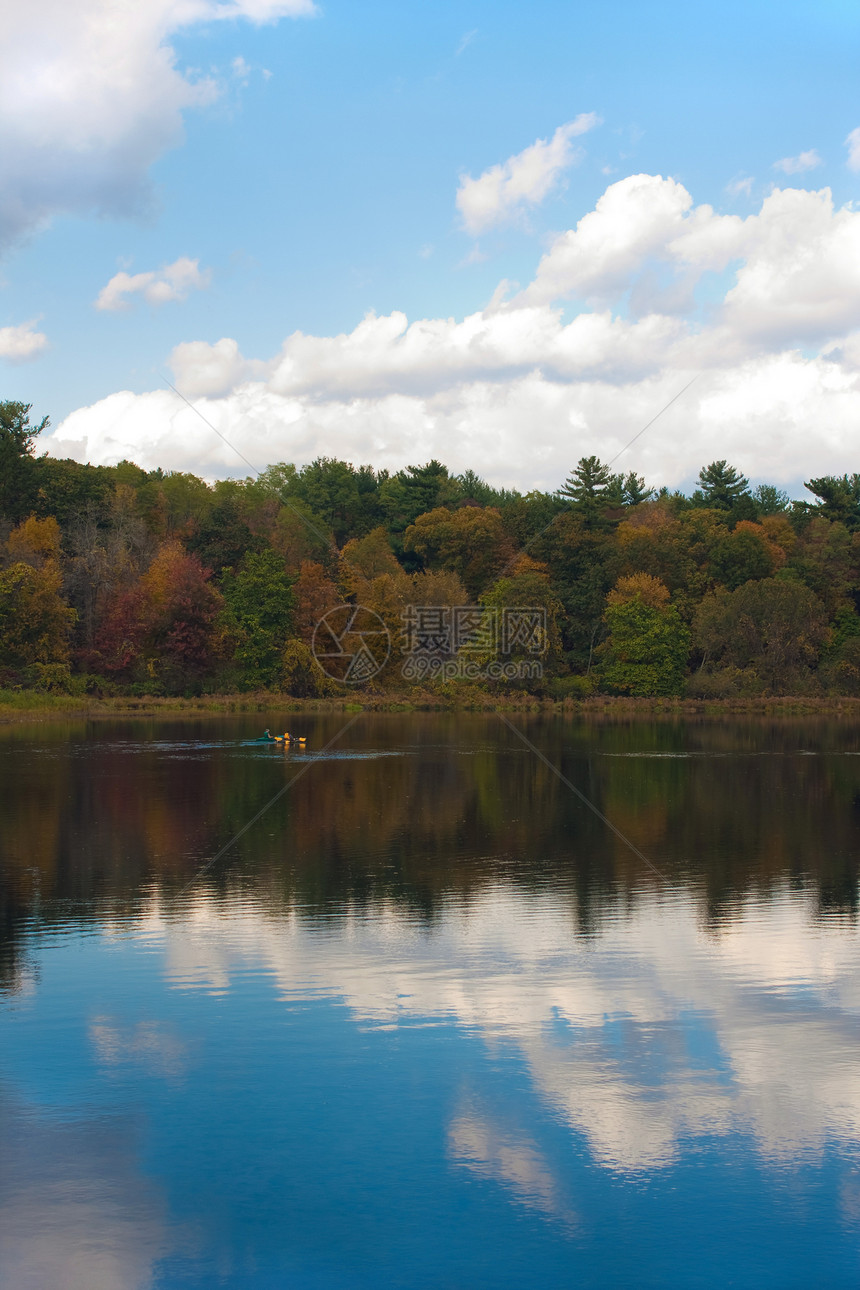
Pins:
x,y
40,708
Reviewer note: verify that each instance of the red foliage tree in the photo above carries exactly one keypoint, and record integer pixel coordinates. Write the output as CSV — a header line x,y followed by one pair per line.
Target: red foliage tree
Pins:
x,y
164,624
183,606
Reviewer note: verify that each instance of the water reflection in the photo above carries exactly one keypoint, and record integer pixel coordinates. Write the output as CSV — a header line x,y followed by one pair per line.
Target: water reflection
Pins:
x,y
429,992
415,806
506,1154
639,1040
75,1209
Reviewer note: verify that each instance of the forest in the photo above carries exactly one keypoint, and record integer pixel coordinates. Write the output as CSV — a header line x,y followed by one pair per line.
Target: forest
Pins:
x,y
118,580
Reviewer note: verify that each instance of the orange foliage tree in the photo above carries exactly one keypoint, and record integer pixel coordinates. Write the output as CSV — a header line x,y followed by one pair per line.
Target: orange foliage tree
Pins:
x,y
163,626
315,595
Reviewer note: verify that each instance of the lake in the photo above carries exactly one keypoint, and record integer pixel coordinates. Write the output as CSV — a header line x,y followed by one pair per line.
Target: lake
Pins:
x,y
431,1020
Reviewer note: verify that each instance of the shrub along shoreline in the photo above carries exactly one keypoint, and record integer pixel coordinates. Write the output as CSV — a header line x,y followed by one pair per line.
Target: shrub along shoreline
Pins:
x,y
18,706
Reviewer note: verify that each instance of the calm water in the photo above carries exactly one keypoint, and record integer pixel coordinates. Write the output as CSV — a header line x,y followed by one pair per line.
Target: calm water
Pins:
x,y
430,1023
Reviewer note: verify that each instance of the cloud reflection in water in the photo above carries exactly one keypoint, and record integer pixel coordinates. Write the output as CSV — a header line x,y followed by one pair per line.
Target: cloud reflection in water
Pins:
x,y
652,1033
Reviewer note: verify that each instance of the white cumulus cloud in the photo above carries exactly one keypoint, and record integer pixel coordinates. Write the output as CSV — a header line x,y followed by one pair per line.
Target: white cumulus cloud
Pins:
x,y
798,260
20,343
524,180
521,390
635,218
158,287
212,370
797,165
91,95
800,278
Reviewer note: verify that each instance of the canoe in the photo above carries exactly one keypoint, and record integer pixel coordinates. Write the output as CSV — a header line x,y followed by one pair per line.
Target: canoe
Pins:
x,y
279,739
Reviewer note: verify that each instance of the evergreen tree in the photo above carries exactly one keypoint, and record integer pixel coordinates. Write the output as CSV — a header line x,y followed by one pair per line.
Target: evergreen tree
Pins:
x,y
592,489
587,484
259,617
838,499
721,487
770,500
17,465
633,489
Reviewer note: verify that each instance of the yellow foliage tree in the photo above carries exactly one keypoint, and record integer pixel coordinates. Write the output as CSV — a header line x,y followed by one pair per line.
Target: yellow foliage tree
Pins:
x,y
366,558
34,541
651,591
34,620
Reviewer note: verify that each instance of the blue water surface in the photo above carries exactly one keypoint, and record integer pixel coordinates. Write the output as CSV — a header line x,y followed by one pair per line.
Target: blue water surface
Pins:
x,y
427,1026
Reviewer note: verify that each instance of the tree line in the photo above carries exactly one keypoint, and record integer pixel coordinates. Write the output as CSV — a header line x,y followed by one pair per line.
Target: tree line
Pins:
x,y
118,579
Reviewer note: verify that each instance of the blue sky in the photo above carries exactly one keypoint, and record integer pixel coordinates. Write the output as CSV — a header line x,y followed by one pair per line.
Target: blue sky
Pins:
x,y
316,180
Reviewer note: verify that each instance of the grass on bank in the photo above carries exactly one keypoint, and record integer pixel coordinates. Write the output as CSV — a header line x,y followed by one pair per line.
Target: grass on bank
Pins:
x,y
32,705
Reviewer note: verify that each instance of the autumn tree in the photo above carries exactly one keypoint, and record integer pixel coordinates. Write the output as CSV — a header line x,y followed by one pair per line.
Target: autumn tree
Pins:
x,y
526,587
647,644
161,628
35,541
650,539
470,542
315,595
440,588
181,609
117,647
364,559
35,622
126,553
826,557
775,628
701,532
301,674
744,554
109,547
389,596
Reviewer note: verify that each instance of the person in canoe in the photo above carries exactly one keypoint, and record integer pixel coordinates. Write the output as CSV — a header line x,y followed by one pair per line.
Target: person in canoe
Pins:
x,y
285,738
